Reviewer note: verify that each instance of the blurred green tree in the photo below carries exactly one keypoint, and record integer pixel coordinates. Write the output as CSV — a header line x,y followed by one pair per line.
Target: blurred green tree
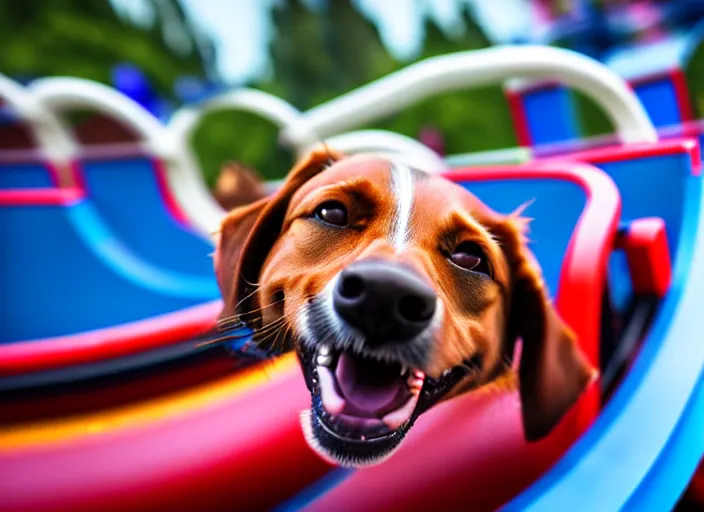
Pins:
x,y
473,120
319,54
312,60
316,55
86,38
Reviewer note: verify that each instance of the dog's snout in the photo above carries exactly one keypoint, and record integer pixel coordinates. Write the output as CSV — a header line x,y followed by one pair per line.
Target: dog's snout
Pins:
x,y
387,302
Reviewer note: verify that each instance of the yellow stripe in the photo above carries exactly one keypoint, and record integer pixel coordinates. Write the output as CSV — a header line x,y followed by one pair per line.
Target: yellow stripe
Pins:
x,y
140,415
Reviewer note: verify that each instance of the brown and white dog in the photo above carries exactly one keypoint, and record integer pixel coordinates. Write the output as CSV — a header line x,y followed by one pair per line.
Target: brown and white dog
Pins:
x,y
397,290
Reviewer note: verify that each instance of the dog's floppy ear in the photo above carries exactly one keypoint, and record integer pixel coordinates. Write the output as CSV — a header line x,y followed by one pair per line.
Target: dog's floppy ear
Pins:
x,y
248,233
553,372
237,185
229,241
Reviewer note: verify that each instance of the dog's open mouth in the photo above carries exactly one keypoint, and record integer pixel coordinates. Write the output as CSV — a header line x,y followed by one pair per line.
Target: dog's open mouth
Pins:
x,y
363,398
362,407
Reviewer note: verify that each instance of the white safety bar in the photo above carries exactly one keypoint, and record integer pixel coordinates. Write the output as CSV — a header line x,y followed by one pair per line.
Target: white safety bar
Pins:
x,y
188,187
64,93
477,68
392,144
185,120
171,144
50,134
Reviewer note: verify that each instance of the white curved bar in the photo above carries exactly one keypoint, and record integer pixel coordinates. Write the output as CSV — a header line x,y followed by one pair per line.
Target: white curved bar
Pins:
x,y
50,134
184,121
61,93
473,69
388,143
185,179
508,156
185,182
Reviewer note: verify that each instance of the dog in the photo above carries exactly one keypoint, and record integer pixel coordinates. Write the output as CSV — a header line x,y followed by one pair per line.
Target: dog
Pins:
x,y
398,290
238,185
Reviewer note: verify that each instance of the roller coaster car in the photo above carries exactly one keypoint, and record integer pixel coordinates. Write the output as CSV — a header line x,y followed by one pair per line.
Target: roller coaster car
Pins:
x,y
204,434
204,423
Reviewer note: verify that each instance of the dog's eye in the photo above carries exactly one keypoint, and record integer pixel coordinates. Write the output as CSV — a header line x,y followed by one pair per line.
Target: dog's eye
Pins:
x,y
470,256
332,212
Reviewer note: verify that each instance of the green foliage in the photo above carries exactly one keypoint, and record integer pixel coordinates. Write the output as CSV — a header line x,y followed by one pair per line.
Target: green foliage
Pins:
x,y
229,135
317,56
472,120
695,79
593,120
86,38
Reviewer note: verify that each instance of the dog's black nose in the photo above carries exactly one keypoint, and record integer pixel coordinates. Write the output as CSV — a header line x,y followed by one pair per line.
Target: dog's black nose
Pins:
x,y
387,302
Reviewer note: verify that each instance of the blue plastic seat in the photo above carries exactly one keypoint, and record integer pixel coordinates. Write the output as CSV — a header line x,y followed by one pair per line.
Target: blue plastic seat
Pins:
x,y
653,181
127,194
63,271
654,421
30,174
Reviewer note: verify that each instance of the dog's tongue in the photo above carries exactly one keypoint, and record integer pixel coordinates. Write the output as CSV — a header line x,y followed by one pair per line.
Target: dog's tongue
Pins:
x,y
366,384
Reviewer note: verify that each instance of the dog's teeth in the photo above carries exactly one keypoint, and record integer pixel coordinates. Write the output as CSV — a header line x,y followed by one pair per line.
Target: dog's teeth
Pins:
x,y
446,373
404,369
324,360
324,350
414,383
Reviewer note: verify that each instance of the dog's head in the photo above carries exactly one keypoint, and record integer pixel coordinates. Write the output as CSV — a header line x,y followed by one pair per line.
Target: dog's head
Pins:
x,y
397,290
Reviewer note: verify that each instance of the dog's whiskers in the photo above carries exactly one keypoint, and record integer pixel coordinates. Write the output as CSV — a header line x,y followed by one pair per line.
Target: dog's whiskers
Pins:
x,y
242,318
507,361
224,338
247,282
469,368
246,314
239,333
278,329
246,297
275,346
262,334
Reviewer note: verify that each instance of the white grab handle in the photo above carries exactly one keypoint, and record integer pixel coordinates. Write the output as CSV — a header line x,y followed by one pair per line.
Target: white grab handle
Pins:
x,y
184,122
189,188
50,134
388,143
473,69
199,204
62,93
171,144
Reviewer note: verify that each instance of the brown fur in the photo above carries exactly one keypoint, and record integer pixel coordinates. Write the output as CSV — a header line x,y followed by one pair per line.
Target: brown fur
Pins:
x,y
272,248
238,185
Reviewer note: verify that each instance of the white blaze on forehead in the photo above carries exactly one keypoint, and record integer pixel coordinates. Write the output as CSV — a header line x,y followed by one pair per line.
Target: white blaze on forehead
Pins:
x,y
402,185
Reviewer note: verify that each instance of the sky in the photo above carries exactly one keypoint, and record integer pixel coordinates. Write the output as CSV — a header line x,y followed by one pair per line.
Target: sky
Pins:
x,y
240,29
